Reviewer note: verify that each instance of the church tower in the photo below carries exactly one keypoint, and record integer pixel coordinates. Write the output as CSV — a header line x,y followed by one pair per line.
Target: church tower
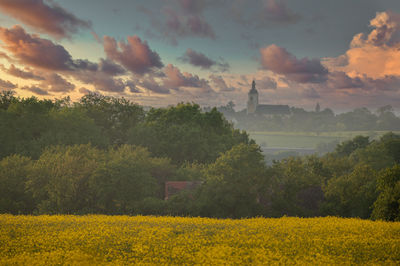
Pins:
x,y
252,101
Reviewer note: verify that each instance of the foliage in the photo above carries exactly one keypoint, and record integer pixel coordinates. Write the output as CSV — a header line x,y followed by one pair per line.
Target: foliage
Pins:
x,y
349,146
114,116
387,206
13,175
60,178
107,155
186,134
233,183
123,179
351,195
297,186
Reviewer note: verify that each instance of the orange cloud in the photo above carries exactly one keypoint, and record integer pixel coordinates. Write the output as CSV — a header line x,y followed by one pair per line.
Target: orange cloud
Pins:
x,y
376,54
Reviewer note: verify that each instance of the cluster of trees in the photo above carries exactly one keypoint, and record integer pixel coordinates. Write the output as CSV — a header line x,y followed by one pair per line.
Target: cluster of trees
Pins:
x,y
182,132
106,155
361,119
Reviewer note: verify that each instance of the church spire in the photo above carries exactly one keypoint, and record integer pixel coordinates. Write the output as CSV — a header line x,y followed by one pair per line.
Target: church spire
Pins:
x,y
252,101
253,88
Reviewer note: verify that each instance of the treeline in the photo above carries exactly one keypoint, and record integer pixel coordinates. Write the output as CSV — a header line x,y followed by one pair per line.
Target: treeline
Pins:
x,y
182,133
107,155
361,119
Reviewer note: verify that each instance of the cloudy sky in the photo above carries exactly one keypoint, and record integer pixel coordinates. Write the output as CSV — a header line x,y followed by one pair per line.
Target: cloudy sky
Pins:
x,y
343,54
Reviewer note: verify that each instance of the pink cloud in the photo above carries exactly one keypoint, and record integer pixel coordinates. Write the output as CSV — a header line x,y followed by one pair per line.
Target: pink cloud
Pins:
x,y
135,55
103,81
152,85
280,61
220,83
175,79
16,72
35,51
47,17
56,83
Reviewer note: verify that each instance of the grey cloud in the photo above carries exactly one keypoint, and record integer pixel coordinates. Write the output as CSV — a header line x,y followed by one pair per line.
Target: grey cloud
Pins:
x,y
35,90
220,83
201,60
5,84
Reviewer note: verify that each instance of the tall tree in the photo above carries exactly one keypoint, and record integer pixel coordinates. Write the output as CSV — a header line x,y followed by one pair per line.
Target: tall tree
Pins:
x,y
387,206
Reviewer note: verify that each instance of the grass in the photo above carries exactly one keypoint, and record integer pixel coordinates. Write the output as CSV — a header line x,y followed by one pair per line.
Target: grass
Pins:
x,y
100,240
308,140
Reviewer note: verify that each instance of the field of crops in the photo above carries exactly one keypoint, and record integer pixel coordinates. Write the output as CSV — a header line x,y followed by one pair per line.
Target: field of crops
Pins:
x,y
97,239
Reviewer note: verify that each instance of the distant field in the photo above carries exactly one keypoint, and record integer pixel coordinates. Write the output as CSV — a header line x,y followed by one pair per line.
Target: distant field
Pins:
x,y
306,139
98,239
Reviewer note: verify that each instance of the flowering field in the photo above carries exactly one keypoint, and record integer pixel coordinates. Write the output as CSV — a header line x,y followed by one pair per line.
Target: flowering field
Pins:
x,y
98,239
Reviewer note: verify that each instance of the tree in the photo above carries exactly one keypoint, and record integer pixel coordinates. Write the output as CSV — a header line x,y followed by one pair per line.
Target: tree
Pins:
x,y
14,198
387,206
6,98
23,124
70,126
352,195
349,146
358,119
127,176
317,108
387,120
233,183
184,133
59,180
296,186
114,116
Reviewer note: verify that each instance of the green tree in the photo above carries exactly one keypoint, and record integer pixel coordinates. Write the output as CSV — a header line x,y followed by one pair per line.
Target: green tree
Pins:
x,y
234,183
59,180
387,205
352,195
347,147
14,198
70,126
184,133
124,179
296,186
23,124
6,98
114,116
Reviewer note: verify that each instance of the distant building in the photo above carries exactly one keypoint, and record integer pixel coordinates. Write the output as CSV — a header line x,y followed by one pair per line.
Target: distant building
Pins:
x,y
174,187
253,107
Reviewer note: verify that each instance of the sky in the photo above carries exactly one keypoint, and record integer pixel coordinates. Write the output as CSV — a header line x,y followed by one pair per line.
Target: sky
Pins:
x,y
342,54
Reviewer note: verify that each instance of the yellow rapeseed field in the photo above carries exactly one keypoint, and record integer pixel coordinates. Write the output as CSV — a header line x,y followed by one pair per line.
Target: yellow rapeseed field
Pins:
x,y
100,239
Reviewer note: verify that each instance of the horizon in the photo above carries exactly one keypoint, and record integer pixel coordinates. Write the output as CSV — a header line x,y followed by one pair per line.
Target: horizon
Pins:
x,y
160,53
